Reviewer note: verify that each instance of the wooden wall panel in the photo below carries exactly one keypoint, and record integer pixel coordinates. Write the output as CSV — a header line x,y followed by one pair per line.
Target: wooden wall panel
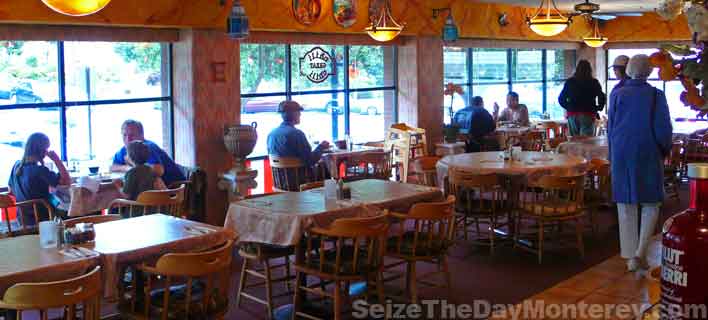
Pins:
x,y
646,28
85,33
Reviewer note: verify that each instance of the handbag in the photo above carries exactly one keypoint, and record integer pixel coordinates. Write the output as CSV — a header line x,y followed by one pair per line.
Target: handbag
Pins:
x,y
652,117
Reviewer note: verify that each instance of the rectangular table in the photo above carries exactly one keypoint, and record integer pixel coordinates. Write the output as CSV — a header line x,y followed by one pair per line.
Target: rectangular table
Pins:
x,y
281,219
25,261
130,241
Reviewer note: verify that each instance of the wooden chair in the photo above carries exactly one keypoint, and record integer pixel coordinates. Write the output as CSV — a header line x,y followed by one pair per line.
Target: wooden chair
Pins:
x,y
551,201
194,204
424,171
405,143
182,286
288,173
311,185
255,254
369,165
17,227
532,141
354,252
480,198
598,190
672,171
79,296
154,201
425,234
92,219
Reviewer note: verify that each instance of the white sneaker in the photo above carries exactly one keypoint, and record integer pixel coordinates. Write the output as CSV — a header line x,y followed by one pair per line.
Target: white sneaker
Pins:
x,y
633,264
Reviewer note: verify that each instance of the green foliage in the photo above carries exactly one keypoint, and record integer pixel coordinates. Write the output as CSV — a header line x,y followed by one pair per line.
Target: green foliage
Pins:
x,y
147,56
31,62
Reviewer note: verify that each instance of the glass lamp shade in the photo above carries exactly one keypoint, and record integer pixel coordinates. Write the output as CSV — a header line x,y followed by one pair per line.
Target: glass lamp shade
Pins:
x,y
76,7
548,27
450,31
383,34
595,42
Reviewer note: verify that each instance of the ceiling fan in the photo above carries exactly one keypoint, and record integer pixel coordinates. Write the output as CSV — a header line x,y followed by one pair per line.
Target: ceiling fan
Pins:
x,y
592,10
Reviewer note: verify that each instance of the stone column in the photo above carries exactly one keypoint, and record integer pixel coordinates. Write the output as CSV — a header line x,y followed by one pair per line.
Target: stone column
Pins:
x,y
420,86
207,98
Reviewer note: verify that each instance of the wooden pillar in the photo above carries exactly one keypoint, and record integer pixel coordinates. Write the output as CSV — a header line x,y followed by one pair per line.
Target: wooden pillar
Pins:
x,y
207,98
420,86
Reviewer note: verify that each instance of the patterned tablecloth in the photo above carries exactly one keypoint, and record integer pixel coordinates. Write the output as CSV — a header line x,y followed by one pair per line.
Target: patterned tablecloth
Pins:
x,y
590,148
281,219
78,201
141,239
25,261
533,164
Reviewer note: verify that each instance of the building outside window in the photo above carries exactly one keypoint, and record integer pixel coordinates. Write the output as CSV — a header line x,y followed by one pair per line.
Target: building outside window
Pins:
x,y
358,98
672,89
537,75
79,93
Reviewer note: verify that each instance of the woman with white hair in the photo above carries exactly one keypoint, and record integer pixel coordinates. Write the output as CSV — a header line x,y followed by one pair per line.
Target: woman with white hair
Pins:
x,y
639,135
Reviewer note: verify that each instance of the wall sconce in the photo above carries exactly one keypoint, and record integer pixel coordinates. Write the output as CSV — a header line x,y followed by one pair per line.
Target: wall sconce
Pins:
x,y
450,31
237,22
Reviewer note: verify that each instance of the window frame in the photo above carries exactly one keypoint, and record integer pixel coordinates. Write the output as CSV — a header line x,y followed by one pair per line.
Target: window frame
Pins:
x,y
346,90
469,86
63,104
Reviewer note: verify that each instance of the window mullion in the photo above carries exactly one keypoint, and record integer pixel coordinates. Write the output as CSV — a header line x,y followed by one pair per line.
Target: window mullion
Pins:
x,y
288,72
544,86
346,90
62,101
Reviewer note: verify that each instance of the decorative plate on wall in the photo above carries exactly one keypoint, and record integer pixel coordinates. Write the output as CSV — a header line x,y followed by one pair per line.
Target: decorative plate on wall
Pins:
x,y
307,12
344,12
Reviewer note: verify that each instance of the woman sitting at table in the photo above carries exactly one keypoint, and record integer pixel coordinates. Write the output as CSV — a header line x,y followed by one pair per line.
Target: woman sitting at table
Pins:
x,y
31,180
140,177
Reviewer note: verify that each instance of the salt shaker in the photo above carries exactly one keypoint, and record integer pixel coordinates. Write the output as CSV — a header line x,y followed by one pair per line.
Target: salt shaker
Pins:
x,y
60,231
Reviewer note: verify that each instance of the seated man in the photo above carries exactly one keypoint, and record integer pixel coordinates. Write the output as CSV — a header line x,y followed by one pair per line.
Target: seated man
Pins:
x,y
287,141
478,123
159,161
515,113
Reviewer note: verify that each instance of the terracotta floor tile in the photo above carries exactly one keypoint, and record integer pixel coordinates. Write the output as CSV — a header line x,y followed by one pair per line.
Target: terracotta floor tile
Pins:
x,y
630,286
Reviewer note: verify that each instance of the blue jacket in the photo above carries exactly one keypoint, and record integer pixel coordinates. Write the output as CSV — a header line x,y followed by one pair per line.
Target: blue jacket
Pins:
x,y
477,122
288,141
157,156
635,156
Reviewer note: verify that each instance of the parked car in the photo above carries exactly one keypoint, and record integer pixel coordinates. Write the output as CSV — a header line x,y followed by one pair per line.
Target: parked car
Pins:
x,y
260,104
23,93
367,102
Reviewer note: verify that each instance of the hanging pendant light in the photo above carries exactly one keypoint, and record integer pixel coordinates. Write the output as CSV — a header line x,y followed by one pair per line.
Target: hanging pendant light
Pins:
x,y
549,23
76,8
385,28
596,40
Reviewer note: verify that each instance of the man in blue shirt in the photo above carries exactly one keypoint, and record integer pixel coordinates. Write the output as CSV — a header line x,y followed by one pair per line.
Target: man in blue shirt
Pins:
x,y
478,123
288,141
159,161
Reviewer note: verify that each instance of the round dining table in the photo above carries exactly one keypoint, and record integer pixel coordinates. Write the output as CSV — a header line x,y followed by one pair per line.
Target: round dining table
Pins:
x,y
588,148
531,165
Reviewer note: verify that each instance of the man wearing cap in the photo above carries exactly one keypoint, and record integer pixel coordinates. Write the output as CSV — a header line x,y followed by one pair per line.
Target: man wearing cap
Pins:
x,y
619,67
288,141
639,136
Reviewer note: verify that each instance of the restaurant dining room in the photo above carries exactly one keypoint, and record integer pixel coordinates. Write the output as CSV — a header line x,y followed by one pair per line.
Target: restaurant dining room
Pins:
x,y
353,159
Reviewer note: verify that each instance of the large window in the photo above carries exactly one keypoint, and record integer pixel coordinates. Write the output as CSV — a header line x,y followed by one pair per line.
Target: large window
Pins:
x,y
536,75
79,93
672,89
356,98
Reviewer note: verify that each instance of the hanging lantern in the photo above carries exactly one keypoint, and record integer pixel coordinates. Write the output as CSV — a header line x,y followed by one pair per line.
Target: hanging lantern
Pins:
x,y
450,31
237,22
550,23
76,8
384,28
596,40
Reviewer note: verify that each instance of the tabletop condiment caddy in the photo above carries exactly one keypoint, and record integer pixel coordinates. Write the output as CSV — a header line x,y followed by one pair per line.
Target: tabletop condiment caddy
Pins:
x,y
684,278
54,233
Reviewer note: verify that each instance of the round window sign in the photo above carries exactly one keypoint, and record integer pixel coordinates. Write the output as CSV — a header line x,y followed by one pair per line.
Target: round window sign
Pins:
x,y
317,65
